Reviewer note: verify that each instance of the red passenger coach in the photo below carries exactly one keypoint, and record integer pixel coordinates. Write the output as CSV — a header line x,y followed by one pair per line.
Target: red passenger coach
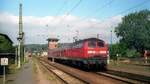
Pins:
x,y
91,52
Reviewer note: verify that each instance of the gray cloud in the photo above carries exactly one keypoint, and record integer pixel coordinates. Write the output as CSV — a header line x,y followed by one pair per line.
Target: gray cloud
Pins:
x,y
38,29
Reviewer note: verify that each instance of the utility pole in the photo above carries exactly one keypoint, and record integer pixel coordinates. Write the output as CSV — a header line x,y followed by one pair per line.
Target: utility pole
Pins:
x,y
16,55
98,36
77,36
19,64
110,47
111,39
20,38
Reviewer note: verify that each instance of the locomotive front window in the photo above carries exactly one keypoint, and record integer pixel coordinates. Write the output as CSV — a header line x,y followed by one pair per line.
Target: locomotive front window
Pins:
x,y
92,44
100,44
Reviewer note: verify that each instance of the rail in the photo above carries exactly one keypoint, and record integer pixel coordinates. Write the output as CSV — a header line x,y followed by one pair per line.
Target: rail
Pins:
x,y
80,74
126,77
54,73
85,82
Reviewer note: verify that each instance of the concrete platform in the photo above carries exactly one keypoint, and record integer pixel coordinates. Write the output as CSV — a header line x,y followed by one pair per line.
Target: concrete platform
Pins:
x,y
24,76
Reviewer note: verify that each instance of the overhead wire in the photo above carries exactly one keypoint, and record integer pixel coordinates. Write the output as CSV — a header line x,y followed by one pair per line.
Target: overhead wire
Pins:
x,y
124,11
57,13
74,7
61,8
65,16
97,10
121,11
144,2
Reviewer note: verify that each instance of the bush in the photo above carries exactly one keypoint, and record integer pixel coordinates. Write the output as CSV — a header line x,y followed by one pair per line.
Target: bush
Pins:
x,y
132,53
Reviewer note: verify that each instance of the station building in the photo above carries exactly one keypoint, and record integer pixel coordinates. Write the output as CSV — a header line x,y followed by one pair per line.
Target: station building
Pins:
x,y
6,49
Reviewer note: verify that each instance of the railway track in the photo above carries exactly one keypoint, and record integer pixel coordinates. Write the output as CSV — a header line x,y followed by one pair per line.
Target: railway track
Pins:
x,y
53,72
96,77
128,77
147,65
87,77
65,78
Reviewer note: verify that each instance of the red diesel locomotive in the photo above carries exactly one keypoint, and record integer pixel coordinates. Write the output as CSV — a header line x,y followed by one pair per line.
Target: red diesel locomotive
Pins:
x,y
91,52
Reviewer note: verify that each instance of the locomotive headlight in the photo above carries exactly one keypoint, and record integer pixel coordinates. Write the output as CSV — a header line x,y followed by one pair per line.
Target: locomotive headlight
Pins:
x,y
94,52
102,52
91,52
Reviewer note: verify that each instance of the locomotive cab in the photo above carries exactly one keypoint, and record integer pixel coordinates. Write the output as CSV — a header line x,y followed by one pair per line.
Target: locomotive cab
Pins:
x,y
96,53
97,48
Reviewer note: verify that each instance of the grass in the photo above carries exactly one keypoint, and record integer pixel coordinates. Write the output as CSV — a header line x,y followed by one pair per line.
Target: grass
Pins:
x,y
50,77
34,65
129,66
13,69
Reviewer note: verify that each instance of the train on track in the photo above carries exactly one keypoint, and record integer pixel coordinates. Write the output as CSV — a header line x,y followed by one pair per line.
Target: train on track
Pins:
x,y
87,53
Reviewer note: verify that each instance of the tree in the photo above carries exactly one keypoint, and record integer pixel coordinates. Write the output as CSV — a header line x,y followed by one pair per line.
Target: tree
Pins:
x,y
134,31
119,49
5,45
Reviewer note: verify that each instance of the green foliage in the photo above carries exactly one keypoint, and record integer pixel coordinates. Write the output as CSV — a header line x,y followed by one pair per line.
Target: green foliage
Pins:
x,y
134,31
117,49
122,51
132,53
5,45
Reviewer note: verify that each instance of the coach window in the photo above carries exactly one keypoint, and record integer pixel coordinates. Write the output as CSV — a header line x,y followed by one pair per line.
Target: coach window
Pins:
x,y
92,44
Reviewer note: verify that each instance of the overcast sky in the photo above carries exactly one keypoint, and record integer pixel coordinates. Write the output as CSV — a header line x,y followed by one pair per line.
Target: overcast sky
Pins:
x,y
65,19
